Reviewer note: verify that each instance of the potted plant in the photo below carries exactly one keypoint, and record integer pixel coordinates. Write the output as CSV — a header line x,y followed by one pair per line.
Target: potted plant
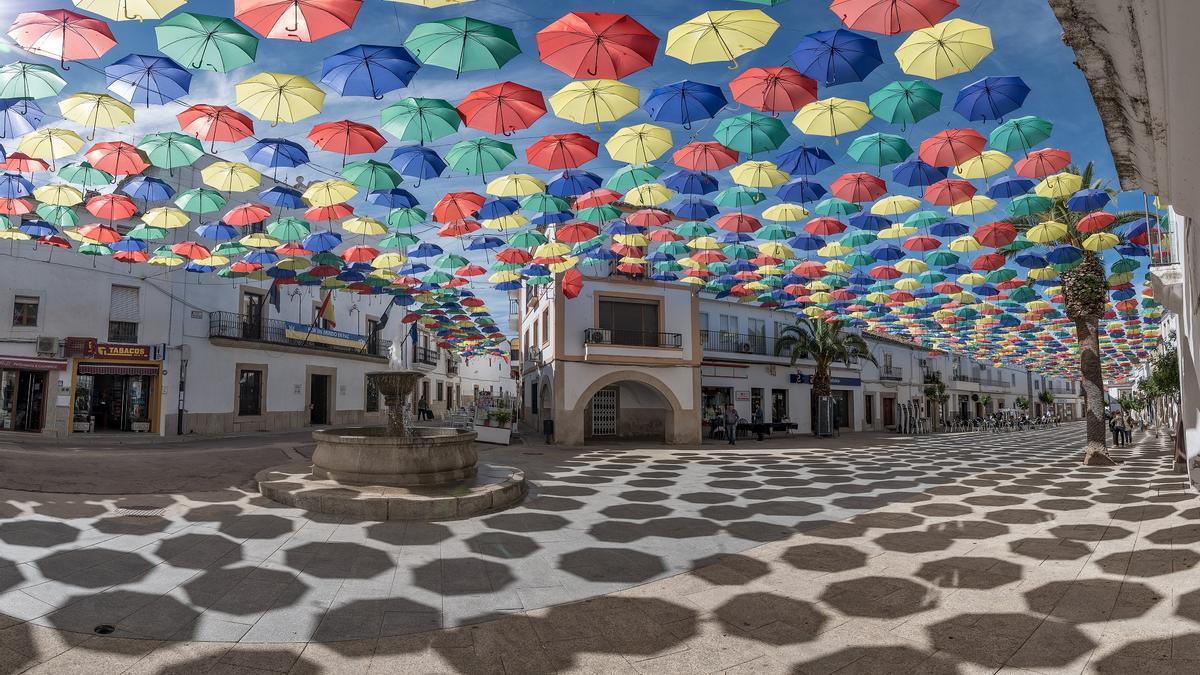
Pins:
x,y
503,417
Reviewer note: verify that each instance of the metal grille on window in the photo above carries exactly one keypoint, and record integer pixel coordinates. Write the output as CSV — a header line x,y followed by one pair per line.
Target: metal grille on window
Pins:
x,y
604,413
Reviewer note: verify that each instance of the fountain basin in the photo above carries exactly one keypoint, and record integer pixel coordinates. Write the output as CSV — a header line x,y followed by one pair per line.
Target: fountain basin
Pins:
x,y
372,456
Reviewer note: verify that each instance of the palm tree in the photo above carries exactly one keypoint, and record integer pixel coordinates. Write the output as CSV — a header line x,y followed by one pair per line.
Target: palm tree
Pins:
x,y
1085,292
824,342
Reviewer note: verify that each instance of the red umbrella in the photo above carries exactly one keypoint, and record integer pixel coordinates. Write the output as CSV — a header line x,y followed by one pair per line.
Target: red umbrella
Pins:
x,y
346,137
470,270
664,235
456,206
884,272
102,234
597,197
15,207
359,254
22,163
922,242
111,206
215,123
648,218
331,212
502,108
572,283
988,262
824,226
562,151
303,20
117,158
738,222
704,156
62,34
55,241
947,288
514,255
949,191
951,147
773,89
292,249
709,256
996,234
891,16
1042,163
859,187
1095,222
597,45
575,231
190,249
457,228
246,214
131,256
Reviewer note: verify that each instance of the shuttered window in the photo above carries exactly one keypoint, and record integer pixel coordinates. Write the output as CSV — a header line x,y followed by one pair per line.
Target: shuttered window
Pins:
x,y
125,305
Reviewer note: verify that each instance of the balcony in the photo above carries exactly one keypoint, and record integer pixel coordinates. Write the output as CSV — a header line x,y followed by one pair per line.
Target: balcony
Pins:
x,y
632,338
452,366
245,328
425,355
737,343
891,373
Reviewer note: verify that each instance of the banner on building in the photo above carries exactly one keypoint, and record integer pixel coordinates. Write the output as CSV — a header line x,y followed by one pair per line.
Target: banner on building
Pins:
x,y
302,333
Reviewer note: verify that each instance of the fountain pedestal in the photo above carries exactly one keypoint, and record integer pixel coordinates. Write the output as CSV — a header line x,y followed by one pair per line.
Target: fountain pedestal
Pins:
x,y
395,472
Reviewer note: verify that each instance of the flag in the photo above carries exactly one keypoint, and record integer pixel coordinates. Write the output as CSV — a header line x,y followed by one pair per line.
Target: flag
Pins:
x,y
273,294
379,325
325,311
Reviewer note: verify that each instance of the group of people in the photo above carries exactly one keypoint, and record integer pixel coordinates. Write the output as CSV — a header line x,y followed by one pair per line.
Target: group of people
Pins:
x,y
1121,426
726,422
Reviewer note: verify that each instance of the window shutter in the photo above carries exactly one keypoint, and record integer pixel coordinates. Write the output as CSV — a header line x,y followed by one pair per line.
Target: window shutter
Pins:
x,y
124,305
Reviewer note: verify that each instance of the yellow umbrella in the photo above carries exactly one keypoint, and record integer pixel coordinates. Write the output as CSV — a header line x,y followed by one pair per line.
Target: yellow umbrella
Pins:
x,y
695,281
230,176
895,205
832,250
50,144
1044,233
364,225
279,97
832,117
259,240
837,266
704,243
166,217
431,4
965,244
820,296
213,260
128,10
813,312
633,260
758,174
1059,185
1101,241
639,144
818,286
505,223
948,48
775,249
649,194
294,264
907,284
551,249
1120,278
388,260
985,165
786,213
897,231
58,194
720,35
973,206
515,185
595,101
96,110
165,261
971,279
1042,273
688,262
878,298
911,266
501,277
330,192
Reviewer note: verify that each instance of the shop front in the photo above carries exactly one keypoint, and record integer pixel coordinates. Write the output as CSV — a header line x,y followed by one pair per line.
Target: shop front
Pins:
x,y
116,390
24,386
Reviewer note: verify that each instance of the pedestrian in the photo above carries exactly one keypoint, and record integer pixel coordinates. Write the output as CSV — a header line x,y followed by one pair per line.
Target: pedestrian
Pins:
x,y
756,418
731,422
1117,424
423,410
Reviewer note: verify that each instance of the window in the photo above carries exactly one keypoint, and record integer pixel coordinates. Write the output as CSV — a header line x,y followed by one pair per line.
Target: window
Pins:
x,y
253,315
1014,379
756,330
372,398
533,396
630,322
440,391
124,313
372,336
25,311
125,332
250,390
1037,384
545,327
729,324
318,319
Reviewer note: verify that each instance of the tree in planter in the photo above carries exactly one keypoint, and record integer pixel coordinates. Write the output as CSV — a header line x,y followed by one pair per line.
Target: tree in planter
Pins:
x,y
986,400
825,342
1047,398
935,390
1085,293
1021,403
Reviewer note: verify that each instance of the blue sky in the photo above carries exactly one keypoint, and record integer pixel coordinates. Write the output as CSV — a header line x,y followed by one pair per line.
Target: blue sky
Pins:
x,y
1025,33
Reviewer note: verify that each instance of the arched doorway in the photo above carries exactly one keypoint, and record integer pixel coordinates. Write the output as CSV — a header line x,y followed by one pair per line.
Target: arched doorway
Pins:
x,y
628,410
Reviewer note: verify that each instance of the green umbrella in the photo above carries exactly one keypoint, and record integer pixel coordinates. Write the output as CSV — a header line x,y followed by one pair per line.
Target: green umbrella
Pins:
x,y
480,155
1001,275
62,216
327,258
1125,265
227,272
673,248
599,214
506,267
739,196
858,238
544,202
450,261
693,228
774,233
751,132
406,217
420,119
1020,134
200,200
398,240
835,206
859,259
171,149
668,266
206,42
879,149
95,249
29,80
527,239
931,277
1022,294
148,233
462,44
288,229
83,173
1018,244
941,258
1028,205
835,281
881,287
540,281
924,219
628,177
739,252
905,102
227,248
371,175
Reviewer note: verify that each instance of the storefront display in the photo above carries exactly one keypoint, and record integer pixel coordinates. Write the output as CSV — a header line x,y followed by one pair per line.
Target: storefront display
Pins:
x,y
24,383
116,391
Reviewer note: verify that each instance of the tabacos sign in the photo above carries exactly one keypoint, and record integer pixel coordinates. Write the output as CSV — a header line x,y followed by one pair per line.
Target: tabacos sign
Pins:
x,y
123,352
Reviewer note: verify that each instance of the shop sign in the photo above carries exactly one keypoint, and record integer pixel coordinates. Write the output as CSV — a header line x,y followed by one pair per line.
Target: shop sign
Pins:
x,y
742,395
299,332
105,350
804,378
79,346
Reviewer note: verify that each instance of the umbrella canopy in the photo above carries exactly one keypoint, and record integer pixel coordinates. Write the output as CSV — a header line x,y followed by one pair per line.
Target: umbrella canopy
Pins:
x,y
905,102
29,80
836,56
206,42
951,147
420,119
302,20
832,117
368,70
1020,134
991,98
777,89
879,149
147,80
480,155
502,108
684,102
117,158
751,132
948,48
215,123
462,44
346,137
705,156
279,97
639,144
596,44
96,111
891,16
594,101
562,151
62,34
720,35
277,152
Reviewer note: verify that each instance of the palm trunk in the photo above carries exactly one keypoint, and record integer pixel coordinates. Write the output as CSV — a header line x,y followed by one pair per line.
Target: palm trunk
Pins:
x,y
822,383
1086,291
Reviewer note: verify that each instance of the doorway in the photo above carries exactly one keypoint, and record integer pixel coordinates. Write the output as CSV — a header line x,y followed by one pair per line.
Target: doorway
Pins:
x,y
889,412
318,405
119,402
22,397
604,412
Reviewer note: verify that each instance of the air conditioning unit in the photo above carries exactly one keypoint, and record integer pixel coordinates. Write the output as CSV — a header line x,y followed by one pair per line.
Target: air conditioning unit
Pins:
x,y
924,363
744,348
47,345
596,337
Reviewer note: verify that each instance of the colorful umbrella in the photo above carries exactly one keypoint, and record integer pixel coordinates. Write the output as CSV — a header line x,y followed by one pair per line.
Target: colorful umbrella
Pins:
x,y
879,149
891,16
96,111
502,108
368,70
751,132
215,123
948,48
594,101
1020,134
29,80
62,34
836,56
479,156
303,20
991,98
116,158
777,89
279,97
720,35
951,147
206,42
905,102
596,44
462,44
562,151
420,119
639,144
832,117
346,137
149,80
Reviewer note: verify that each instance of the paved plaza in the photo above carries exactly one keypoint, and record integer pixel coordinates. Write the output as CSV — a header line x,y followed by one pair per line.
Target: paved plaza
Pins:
x,y
866,553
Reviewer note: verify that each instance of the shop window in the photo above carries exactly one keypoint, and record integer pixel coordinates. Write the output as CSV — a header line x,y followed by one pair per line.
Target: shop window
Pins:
x,y
25,311
250,391
125,332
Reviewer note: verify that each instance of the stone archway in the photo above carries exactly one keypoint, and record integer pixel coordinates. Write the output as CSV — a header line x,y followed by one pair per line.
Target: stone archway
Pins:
x,y
644,407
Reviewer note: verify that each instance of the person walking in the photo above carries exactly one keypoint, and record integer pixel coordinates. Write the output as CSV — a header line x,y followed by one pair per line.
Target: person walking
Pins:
x,y
423,410
731,422
756,418
1118,428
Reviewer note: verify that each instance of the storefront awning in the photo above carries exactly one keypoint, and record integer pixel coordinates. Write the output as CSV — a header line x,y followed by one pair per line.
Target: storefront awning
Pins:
x,y
113,369
20,363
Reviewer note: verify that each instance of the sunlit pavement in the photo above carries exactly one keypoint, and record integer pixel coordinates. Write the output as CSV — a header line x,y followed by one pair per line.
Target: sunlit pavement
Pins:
x,y
959,553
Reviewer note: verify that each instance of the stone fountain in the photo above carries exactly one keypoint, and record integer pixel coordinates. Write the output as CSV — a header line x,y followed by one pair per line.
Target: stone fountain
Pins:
x,y
395,472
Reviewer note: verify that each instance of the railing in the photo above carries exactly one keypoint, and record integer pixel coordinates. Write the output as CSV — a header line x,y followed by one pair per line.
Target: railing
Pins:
x,y
737,343
533,355
631,338
451,366
425,355
891,373
273,331
959,377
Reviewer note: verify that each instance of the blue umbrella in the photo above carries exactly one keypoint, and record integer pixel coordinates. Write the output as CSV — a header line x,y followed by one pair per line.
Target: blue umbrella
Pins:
x,y
417,162
277,273
276,152
217,231
551,217
801,190
14,186
805,242
695,208
1088,200
40,228
915,173
991,98
395,198
3,154
870,222
805,160
125,244
691,182
684,102
664,276
886,253
949,228
263,257
572,183
321,240
152,80
1064,254
1009,187
485,243
836,56
498,207
622,227
368,70
148,188
426,250
508,286
414,268
283,197
18,116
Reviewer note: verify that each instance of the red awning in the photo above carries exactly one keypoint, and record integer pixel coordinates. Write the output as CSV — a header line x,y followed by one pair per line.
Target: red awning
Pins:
x,y
21,363
112,369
